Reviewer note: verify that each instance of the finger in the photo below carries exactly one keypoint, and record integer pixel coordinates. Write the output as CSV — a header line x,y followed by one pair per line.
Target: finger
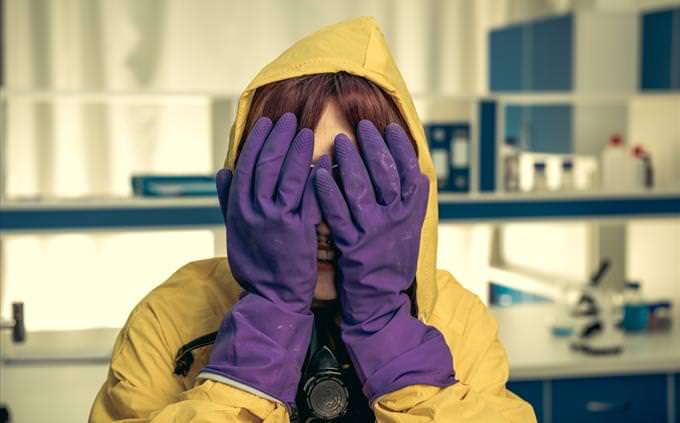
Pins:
x,y
295,170
355,180
311,210
246,160
379,162
324,162
222,183
405,157
333,207
272,155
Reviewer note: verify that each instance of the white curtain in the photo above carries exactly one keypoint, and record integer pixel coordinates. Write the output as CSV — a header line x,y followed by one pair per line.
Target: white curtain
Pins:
x,y
88,145
84,144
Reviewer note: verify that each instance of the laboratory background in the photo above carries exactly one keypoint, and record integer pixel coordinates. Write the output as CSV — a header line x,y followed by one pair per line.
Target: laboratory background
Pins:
x,y
554,127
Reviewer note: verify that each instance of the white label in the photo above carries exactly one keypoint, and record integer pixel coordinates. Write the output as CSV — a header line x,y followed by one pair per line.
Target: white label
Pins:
x,y
441,163
459,149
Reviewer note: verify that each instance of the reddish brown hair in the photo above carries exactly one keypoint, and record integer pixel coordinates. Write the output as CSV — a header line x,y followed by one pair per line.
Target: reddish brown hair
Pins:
x,y
356,97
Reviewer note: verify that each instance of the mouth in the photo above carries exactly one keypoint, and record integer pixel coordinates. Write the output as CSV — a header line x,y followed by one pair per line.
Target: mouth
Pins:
x,y
326,253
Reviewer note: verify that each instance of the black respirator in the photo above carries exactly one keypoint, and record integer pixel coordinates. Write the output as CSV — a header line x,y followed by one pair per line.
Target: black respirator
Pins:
x,y
323,392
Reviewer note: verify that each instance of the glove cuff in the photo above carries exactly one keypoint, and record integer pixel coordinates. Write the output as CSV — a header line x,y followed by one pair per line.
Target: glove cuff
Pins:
x,y
263,345
403,351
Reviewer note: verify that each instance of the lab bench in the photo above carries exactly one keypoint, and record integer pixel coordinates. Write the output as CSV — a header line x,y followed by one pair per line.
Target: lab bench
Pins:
x,y
639,385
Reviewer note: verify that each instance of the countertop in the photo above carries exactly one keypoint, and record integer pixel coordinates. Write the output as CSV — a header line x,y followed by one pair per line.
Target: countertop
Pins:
x,y
524,330
533,353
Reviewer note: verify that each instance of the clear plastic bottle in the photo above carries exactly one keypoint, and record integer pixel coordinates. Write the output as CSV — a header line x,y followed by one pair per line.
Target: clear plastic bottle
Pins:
x,y
540,177
567,175
562,321
511,163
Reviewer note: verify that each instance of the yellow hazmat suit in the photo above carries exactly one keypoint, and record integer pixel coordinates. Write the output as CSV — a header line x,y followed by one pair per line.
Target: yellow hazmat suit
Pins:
x,y
141,385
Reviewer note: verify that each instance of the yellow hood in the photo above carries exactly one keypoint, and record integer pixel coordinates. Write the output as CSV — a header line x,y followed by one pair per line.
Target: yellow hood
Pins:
x,y
356,46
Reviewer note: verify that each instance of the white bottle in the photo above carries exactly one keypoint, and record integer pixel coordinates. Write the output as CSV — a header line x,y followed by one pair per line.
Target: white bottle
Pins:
x,y
540,177
567,180
616,166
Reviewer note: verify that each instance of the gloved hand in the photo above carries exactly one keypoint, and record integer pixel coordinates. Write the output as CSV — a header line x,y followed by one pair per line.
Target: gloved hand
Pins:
x,y
376,228
270,213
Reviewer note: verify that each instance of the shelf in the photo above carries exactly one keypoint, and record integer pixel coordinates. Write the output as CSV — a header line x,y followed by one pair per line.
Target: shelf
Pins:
x,y
494,207
153,214
41,216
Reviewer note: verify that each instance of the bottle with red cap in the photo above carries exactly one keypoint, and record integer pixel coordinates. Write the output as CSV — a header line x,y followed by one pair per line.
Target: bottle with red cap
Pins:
x,y
616,166
644,172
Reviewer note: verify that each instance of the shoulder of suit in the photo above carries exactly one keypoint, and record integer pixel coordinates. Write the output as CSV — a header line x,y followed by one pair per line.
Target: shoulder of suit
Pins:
x,y
197,285
456,309
189,304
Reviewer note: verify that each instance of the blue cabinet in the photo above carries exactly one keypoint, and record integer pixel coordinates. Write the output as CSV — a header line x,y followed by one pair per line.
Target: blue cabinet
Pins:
x,y
660,54
584,51
657,31
551,54
507,63
544,128
621,399
534,56
531,392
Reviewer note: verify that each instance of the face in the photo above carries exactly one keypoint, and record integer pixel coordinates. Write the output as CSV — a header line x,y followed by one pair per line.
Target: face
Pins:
x,y
332,123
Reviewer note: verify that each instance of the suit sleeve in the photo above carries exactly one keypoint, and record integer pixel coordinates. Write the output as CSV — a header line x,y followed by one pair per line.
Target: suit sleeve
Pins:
x,y
481,367
141,386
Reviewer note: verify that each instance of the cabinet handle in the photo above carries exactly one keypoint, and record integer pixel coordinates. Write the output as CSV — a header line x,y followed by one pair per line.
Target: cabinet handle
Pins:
x,y
16,324
606,407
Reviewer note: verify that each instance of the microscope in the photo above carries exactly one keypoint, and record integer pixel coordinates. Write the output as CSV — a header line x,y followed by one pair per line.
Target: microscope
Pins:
x,y
599,317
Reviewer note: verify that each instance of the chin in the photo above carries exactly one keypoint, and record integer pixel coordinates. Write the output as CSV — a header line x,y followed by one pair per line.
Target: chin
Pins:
x,y
325,296
325,286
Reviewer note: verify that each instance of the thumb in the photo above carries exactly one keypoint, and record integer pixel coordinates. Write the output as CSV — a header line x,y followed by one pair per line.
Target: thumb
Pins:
x,y
333,207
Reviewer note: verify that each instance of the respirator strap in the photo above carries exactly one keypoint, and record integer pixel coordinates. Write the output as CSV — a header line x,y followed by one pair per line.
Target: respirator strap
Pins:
x,y
184,358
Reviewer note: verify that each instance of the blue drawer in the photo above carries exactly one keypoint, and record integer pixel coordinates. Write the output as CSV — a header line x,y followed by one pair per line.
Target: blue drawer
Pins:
x,y
531,392
621,399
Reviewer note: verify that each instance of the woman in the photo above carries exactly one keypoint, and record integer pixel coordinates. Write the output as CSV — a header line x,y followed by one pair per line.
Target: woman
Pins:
x,y
329,306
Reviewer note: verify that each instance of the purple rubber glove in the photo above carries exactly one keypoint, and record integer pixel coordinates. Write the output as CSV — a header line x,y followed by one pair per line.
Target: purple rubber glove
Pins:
x,y
270,213
376,227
